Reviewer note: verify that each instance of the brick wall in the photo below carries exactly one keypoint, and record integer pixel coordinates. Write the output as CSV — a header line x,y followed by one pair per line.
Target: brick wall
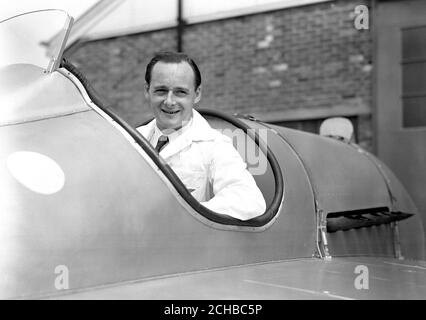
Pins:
x,y
308,58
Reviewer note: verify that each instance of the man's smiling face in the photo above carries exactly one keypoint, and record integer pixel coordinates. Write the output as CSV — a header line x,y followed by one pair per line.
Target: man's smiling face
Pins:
x,y
172,94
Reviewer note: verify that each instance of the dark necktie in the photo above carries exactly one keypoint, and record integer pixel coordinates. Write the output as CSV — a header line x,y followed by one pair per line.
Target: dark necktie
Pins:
x,y
162,141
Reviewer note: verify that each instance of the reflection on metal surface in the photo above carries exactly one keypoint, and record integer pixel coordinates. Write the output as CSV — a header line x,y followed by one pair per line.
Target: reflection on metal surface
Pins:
x,y
323,293
405,265
35,171
322,234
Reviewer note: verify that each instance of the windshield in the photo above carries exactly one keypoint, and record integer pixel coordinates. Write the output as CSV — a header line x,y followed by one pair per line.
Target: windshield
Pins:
x,y
37,38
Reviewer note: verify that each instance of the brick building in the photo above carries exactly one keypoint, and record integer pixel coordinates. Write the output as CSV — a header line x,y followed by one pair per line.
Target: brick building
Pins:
x,y
294,66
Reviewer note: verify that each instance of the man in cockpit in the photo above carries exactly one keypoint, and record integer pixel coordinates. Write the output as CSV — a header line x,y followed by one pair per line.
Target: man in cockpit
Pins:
x,y
204,159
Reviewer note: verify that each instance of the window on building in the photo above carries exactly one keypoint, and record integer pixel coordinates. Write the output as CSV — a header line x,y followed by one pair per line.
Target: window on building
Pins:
x,y
414,77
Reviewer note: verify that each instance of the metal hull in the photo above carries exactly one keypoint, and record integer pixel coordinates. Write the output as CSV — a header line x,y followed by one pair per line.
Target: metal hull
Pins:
x,y
293,279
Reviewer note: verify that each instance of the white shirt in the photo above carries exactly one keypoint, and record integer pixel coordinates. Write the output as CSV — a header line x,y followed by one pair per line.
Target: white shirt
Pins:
x,y
210,167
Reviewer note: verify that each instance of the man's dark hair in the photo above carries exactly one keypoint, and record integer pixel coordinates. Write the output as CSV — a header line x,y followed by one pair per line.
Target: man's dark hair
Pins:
x,y
172,57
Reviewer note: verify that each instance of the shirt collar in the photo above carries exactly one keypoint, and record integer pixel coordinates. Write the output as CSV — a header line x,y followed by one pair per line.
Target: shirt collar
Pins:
x,y
197,129
173,135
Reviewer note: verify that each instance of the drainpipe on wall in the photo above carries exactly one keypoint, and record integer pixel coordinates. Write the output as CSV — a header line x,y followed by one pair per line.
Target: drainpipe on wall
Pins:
x,y
374,122
180,26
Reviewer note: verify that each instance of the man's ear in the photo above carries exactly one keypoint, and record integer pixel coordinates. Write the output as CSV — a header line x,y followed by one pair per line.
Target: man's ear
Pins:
x,y
198,94
146,90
